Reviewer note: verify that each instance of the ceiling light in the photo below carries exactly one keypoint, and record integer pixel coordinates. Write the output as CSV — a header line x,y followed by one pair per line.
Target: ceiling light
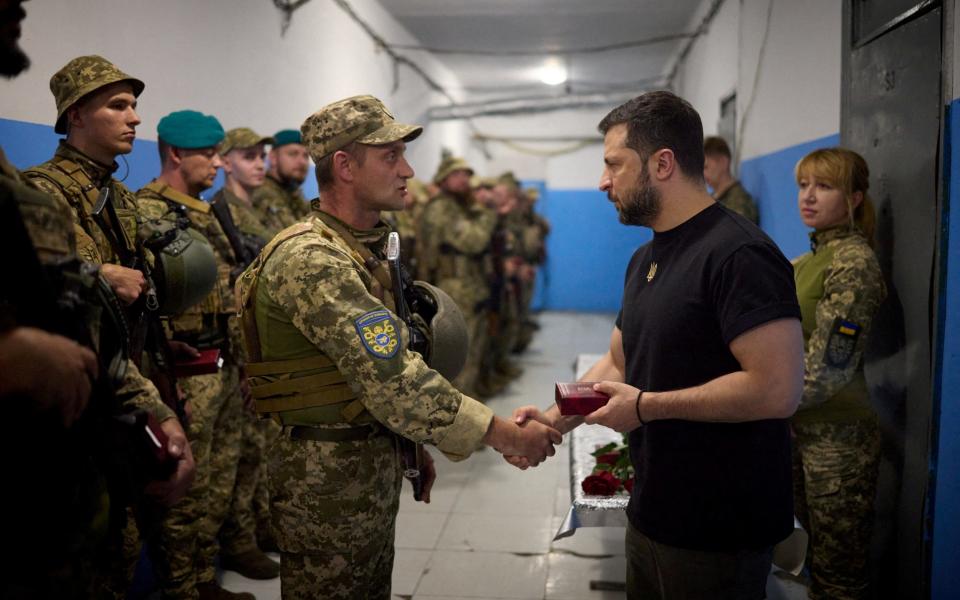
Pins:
x,y
553,72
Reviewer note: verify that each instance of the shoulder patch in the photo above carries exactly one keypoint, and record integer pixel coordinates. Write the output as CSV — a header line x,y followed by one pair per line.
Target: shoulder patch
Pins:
x,y
378,333
842,343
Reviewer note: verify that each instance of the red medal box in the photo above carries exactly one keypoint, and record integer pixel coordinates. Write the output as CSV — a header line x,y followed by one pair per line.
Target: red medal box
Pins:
x,y
208,362
579,398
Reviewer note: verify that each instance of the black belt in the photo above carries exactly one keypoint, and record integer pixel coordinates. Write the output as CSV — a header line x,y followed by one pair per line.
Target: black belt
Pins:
x,y
347,434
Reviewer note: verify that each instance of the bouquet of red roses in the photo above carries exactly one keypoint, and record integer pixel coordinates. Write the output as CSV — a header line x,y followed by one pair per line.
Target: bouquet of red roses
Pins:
x,y
614,471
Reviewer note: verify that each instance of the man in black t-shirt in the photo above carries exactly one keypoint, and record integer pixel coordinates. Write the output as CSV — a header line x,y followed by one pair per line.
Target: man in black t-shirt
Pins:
x,y
704,367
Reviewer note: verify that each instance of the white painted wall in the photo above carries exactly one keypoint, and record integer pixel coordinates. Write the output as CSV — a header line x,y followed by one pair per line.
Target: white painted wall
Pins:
x,y
227,58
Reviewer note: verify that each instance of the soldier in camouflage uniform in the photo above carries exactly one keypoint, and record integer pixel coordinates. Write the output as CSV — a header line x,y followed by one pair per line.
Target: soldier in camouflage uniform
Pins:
x,y
534,230
69,545
242,152
185,550
96,109
454,238
726,190
837,437
328,360
279,202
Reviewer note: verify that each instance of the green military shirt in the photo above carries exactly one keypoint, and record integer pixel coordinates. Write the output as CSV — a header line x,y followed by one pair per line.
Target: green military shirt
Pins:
x,y
839,287
277,206
75,178
244,216
313,295
740,201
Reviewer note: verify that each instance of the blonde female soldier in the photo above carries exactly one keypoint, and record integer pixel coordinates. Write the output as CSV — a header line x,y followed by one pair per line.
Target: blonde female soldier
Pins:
x,y
837,437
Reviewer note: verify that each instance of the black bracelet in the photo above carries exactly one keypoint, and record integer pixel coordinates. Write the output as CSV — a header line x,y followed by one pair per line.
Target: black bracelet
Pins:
x,y
639,418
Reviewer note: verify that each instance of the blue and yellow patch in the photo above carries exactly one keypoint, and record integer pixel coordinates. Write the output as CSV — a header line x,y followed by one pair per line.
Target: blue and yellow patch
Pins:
x,y
378,333
842,343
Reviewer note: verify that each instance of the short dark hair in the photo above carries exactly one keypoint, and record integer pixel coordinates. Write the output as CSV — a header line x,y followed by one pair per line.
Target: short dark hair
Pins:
x,y
324,168
716,146
658,120
163,148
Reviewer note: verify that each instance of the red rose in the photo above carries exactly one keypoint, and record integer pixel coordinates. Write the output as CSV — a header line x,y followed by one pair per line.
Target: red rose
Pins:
x,y
628,485
600,484
610,458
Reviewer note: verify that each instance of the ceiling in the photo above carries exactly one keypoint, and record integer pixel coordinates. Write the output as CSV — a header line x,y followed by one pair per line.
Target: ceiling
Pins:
x,y
546,28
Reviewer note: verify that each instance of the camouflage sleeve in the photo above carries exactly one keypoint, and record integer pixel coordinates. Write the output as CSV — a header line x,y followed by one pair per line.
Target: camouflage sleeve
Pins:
x,y
86,247
137,391
472,235
154,209
852,291
738,200
326,299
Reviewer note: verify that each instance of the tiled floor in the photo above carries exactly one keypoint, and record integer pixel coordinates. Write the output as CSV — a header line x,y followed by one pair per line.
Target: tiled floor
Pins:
x,y
488,531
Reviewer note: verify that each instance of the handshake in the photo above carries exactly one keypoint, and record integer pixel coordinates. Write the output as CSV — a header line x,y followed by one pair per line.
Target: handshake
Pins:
x,y
526,440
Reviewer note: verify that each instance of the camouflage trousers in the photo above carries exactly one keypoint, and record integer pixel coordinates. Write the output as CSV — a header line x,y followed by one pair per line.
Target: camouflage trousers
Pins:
x,y
334,508
835,467
477,326
249,508
186,546
527,328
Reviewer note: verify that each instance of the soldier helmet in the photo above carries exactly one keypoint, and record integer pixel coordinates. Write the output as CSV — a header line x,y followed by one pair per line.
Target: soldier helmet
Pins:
x,y
449,165
185,270
448,330
362,119
81,76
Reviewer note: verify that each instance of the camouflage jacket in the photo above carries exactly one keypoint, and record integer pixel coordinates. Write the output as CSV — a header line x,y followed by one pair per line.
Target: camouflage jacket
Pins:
x,y
245,217
453,241
218,310
278,207
740,201
839,287
313,294
50,224
76,179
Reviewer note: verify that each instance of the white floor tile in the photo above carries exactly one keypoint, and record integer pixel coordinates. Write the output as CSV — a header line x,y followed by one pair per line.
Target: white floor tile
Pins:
x,y
485,574
570,576
419,530
497,533
408,568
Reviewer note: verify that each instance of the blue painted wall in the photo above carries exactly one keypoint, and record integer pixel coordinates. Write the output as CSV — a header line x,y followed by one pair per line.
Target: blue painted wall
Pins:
x,y
945,462
769,178
28,144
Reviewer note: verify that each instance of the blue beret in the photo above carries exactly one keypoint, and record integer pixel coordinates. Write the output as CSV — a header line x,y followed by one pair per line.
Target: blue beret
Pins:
x,y
190,129
287,136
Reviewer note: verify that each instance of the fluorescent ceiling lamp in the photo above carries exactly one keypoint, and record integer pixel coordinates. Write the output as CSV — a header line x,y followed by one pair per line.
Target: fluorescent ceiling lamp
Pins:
x,y
553,72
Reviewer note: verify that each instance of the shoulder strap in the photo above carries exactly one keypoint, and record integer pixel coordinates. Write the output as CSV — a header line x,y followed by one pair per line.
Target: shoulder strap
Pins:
x,y
168,193
373,264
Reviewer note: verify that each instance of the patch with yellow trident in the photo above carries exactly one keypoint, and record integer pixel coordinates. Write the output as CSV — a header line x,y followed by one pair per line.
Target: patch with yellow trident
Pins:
x,y
378,333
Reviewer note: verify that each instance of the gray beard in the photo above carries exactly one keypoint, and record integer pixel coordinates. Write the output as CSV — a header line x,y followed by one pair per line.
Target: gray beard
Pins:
x,y
642,206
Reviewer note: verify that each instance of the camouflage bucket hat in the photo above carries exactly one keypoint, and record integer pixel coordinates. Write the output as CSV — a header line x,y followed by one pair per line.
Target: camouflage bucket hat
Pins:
x,y
81,76
362,119
242,137
449,165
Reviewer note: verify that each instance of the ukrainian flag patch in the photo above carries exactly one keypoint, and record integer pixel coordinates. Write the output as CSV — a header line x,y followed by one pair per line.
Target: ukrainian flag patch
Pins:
x,y
842,343
378,333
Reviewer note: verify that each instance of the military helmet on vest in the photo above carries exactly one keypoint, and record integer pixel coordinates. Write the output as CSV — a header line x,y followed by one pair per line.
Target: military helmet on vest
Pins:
x,y
362,119
448,165
185,269
82,76
448,336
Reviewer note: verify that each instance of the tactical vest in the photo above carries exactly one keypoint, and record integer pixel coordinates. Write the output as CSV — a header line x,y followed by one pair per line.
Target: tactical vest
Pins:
x,y
77,186
309,390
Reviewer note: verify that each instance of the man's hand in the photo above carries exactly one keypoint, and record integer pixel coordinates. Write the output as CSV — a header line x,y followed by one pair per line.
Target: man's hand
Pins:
x,y
429,473
620,412
126,283
175,487
526,413
54,371
534,441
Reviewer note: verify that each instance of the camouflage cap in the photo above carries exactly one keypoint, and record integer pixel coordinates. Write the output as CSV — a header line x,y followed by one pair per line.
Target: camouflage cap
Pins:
x,y
362,119
482,182
510,180
449,165
81,76
242,137
532,194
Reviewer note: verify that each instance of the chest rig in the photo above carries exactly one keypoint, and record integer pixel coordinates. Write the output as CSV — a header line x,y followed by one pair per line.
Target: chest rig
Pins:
x,y
313,385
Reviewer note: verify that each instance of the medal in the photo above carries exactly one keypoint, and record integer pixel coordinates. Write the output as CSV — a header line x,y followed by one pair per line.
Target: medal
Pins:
x,y
652,272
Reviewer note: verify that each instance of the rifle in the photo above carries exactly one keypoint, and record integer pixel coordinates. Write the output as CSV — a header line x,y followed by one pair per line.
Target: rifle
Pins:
x,y
245,247
146,334
410,451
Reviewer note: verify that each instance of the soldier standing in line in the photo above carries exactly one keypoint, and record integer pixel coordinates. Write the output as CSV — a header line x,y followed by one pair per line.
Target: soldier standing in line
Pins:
x,y
454,239
186,548
329,360
70,548
242,152
279,201
726,190
534,252
836,446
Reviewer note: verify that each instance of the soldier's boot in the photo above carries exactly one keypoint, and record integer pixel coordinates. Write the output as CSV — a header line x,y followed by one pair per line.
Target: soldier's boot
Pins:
x,y
266,541
212,591
252,564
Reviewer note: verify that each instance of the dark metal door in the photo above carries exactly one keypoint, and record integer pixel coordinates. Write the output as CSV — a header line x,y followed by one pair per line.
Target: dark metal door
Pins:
x,y
891,114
